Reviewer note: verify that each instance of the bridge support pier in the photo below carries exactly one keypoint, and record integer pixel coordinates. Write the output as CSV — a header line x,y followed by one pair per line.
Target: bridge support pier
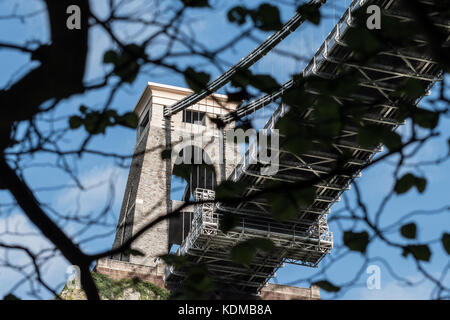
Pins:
x,y
118,270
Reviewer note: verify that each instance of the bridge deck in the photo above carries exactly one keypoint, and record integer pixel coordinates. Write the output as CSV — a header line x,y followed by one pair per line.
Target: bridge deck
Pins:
x,y
305,240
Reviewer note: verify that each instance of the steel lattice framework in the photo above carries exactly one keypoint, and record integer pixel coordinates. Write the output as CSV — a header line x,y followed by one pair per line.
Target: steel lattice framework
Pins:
x,y
305,240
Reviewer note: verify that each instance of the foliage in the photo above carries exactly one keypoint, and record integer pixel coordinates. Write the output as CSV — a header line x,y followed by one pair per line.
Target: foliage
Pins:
x,y
111,289
245,251
266,17
198,283
356,241
96,122
327,286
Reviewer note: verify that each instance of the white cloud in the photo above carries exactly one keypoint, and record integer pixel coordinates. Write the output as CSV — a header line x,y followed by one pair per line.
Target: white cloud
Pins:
x,y
394,290
17,229
98,182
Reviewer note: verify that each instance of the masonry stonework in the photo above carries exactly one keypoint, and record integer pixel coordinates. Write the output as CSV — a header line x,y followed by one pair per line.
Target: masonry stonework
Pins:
x,y
148,190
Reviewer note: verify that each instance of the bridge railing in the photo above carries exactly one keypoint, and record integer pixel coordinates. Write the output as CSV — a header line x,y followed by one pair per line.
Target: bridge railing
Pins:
x,y
344,23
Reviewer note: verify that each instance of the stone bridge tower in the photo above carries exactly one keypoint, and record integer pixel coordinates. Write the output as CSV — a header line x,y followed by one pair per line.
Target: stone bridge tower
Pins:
x,y
150,184
148,190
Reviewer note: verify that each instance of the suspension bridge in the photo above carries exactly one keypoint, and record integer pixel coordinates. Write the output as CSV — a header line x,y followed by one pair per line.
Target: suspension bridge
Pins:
x,y
305,239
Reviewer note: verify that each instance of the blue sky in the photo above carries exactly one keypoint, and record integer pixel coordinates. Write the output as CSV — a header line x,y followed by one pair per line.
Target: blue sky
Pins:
x,y
104,179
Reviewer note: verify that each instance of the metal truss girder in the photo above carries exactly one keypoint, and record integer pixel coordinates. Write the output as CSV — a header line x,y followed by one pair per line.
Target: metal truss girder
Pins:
x,y
381,68
409,56
326,186
294,240
317,198
220,279
308,241
301,263
382,120
257,104
285,178
245,271
370,84
354,146
398,15
248,211
331,157
225,256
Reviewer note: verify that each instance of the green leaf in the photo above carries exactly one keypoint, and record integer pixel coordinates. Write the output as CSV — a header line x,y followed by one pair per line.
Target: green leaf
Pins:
x,y
111,113
287,205
328,118
237,14
196,3
244,252
405,183
129,120
75,122
392,140
421,184
327,286
419,252
446,242
127,71
310,12
409,231
166,154
267,17
227,222
264,82
262,243
126,64
10,296
295,97
174,260
371,136
229,189
425,118
95,123
356,241
135,252
197,81
305,196
183,171
411,88
83,108
199,280
283,208
241,78
362,40
110,56
299,138
243,124
238,96
217,121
